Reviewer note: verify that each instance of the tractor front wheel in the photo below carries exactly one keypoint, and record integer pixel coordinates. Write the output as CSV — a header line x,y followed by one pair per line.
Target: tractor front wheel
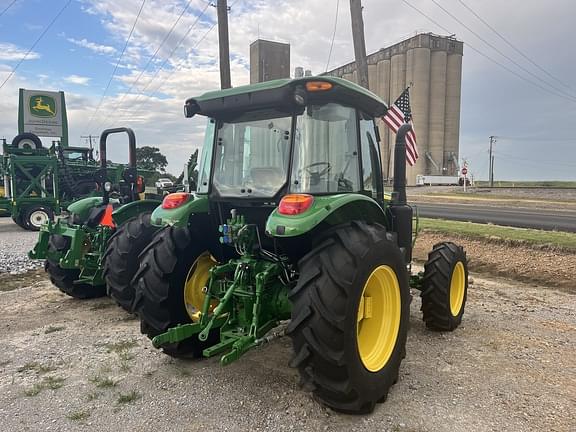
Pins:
x,y
64,279
350,317
121,258
444,287
173,270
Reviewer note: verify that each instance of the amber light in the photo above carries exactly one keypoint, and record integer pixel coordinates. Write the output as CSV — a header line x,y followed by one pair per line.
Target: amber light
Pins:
x,y
313,86
295,204
140,184
174,200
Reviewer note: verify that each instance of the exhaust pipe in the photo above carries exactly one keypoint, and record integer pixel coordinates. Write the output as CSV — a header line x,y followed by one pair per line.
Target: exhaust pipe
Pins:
x,y
401,212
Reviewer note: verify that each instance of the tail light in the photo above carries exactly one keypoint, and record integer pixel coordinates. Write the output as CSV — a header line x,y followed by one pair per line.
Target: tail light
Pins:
x,y
295,204
174,200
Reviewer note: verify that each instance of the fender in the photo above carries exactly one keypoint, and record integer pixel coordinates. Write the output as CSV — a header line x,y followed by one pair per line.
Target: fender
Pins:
x,y
83,206
180,216
130,210
331,209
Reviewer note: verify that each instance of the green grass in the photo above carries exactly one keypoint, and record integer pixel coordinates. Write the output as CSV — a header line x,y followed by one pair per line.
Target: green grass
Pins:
x,y
49,382
37,367
53,329
121,347
555,239
103,382
79,415
133,396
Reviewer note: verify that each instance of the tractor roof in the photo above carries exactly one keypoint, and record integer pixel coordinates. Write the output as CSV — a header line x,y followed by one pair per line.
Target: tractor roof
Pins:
x,y
279,95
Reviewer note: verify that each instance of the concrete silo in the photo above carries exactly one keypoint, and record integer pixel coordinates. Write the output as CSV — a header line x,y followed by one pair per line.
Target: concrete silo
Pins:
x,y
432,65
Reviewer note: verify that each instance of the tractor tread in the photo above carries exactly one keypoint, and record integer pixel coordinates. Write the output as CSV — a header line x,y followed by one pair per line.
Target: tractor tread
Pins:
x,y
436,286
121,258
321,328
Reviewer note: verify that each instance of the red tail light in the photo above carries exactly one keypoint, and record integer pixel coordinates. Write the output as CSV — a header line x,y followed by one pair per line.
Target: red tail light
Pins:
x,y
174,200
295,204
140,184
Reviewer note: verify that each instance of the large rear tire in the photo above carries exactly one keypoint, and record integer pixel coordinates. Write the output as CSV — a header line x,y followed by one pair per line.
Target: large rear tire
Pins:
x,y
444,287
121,258
165,266
350,317
64,279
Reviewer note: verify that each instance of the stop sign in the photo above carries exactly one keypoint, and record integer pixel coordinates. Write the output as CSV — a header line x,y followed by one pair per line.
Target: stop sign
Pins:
x,y
464,171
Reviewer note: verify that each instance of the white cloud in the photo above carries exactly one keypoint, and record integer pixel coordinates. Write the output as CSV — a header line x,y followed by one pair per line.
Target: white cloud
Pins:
x,y
11,52
77,79
97,48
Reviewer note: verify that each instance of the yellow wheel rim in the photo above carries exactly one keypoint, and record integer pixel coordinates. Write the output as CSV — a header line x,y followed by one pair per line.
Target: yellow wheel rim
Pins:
x,y
457,288
195,282
378,320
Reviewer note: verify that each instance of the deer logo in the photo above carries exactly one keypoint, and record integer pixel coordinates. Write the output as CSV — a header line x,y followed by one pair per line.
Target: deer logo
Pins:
x,y
42,106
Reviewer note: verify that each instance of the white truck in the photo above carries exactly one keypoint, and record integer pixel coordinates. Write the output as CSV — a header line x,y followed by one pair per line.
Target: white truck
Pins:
x,y
438,180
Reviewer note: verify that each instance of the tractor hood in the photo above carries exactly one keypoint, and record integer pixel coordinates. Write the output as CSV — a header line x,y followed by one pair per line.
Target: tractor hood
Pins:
x,y
284,95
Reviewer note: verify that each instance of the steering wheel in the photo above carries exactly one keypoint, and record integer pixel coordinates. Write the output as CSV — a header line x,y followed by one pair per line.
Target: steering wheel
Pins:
x,y
322,172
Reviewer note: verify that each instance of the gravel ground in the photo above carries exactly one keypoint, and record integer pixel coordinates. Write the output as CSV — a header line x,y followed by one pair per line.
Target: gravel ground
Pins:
x,y
517,193
15,242
70,365
82,365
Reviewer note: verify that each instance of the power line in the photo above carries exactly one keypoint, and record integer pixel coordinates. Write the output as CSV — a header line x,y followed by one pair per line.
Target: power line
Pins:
x,y
513,46
454,17
149,60
571,99
333,36
141,92
8,7
35,43
117,63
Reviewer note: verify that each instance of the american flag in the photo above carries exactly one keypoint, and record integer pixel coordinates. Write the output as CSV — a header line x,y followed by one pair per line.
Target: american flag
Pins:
x,y
398,114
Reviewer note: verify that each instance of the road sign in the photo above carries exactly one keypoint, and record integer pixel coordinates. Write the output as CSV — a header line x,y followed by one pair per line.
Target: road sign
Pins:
x,y
464,171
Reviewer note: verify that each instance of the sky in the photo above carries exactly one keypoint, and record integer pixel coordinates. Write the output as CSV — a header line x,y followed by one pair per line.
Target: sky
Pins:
x,y
523,92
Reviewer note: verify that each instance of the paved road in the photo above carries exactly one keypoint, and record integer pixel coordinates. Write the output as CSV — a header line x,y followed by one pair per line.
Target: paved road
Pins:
x,y
546,219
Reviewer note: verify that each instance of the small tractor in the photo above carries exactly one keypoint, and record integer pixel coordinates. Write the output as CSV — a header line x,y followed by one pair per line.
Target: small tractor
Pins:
x,y
40,181
290,227
93,251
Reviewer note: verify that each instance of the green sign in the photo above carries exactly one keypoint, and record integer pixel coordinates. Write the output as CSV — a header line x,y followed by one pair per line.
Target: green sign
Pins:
x,y
43,113
42,106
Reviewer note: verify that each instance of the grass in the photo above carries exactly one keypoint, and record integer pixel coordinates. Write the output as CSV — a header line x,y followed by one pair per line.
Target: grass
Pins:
x,y
554,239
53,329
79,415
121,347
49,382
130,397
37,367
103,382
100,306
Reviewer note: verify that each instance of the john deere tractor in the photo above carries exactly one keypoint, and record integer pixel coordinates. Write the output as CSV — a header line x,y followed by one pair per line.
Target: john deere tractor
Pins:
x,y
95,248
290,227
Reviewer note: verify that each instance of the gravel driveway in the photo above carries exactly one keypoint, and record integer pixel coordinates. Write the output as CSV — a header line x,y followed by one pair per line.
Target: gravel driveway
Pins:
x,y
68,365
83,365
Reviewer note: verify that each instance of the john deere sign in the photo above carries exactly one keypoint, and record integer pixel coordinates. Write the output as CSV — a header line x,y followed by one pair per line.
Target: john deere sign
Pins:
x,y
43,113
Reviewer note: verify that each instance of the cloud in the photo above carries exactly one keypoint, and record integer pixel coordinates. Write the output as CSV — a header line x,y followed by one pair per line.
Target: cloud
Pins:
x,y
97,48
11,52
76,79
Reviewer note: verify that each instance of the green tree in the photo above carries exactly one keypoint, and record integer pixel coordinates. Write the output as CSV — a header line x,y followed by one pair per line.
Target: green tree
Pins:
x,y
150,158
192,171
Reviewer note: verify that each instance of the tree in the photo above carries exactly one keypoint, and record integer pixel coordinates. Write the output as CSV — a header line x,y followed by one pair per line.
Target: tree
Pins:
x,y
150,158
192,171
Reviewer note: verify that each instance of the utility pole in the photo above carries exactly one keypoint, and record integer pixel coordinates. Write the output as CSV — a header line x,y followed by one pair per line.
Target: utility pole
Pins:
x,y
359,43
89,138
491,161
223,44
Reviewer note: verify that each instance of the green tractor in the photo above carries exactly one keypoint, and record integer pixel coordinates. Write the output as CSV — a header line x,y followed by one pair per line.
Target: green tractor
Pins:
x,y
93,251
290,222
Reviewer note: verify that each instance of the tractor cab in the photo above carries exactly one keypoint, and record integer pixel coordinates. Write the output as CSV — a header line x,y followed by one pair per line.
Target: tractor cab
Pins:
x,y
287,143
